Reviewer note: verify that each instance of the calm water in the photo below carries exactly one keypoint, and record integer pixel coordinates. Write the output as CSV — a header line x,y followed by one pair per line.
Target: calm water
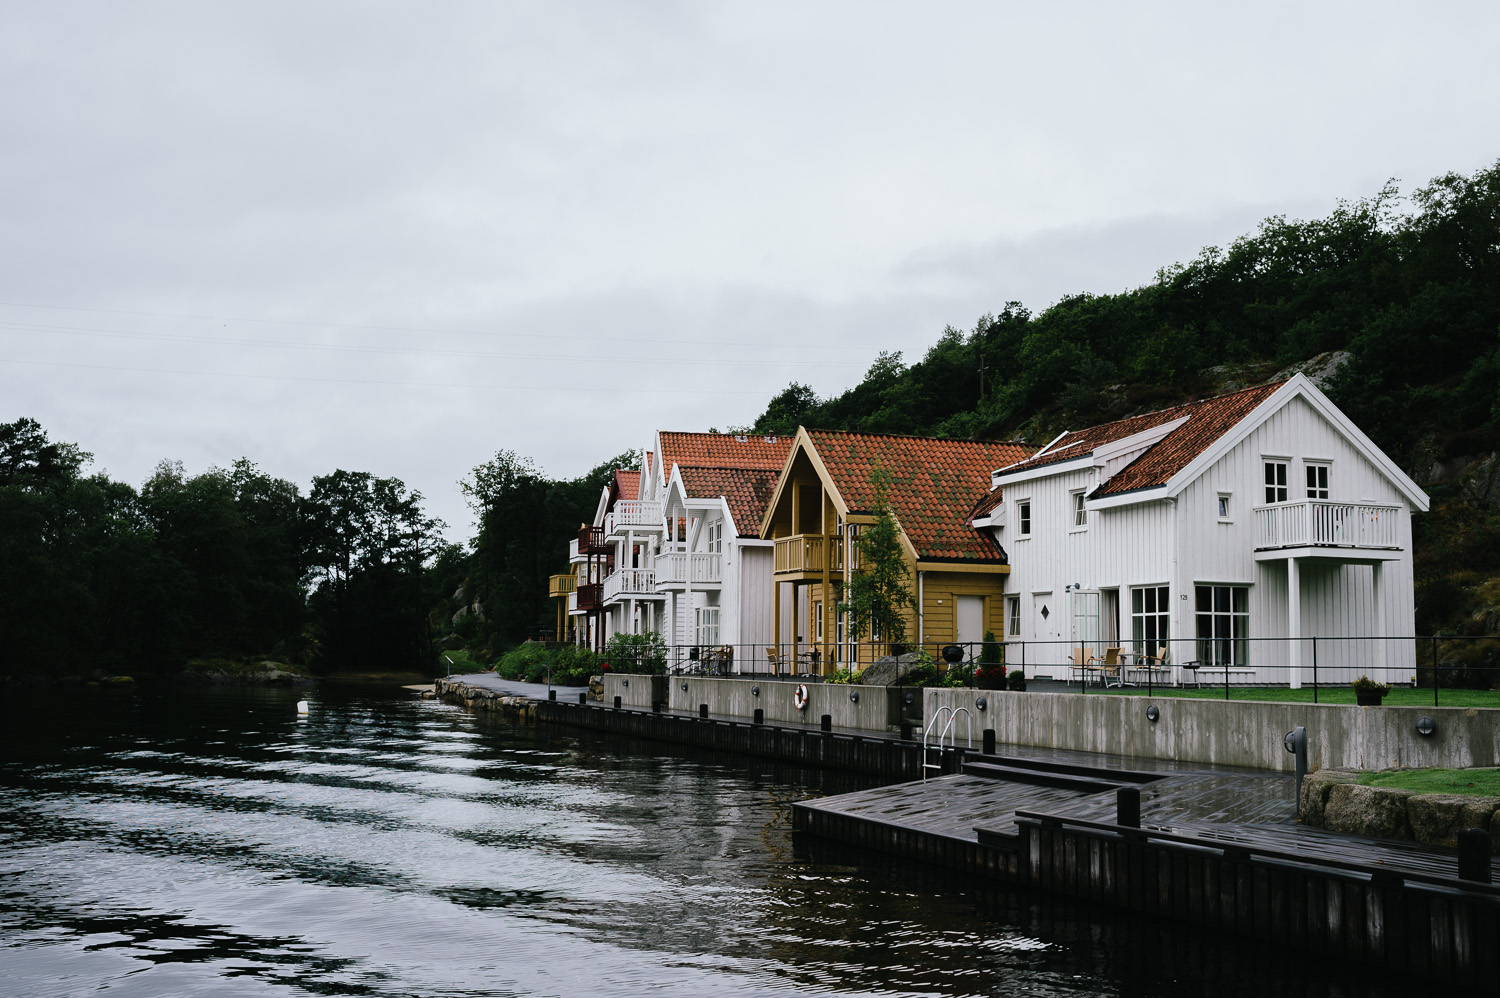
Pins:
x,y
215,844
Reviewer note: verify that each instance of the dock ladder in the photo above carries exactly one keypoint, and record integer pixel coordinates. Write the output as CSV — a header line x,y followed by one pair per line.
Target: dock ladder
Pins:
x,y
946,731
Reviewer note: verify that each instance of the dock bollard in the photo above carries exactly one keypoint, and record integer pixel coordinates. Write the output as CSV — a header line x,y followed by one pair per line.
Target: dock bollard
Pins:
x,y
551,694
657,705
703,710
906,731
760,715
583,698
988,748
826,722
1128,807
617,703
1474,855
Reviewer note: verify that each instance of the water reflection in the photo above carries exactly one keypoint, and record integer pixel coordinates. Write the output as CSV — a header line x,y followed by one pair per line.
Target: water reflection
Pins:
x,y
214,844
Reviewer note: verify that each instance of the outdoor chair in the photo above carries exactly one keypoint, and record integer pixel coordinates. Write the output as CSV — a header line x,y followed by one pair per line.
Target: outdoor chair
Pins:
x,y
1109,668
1083,664
773,661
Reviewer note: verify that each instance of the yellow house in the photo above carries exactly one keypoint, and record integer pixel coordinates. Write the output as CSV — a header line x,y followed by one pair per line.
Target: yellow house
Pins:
x,y
827,493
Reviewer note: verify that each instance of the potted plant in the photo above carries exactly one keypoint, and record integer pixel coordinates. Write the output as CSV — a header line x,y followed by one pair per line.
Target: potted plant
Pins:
x,y
990,674
1369,693
1017,681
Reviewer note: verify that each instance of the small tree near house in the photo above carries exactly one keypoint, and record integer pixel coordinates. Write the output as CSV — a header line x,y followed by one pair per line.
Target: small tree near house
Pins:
x,y
878,596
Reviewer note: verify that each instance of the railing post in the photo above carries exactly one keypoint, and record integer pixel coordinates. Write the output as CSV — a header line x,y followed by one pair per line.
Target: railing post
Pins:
x,y
1434,670
1315,668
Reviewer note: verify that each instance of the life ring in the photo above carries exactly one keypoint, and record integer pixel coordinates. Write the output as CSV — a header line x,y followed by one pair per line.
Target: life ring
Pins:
x,y
799,696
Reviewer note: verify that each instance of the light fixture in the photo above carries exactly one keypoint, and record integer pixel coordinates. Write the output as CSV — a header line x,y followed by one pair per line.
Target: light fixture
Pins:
x,y
624,682
981,703
854,696
1426,726
1152,714
755,691
684,687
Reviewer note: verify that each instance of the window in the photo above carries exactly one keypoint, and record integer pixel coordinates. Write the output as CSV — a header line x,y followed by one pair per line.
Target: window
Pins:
x,y
1275,482
706,626
1317,481
1224,507
1223,625
1023,518
1013,615
1080,515
818,619
1150,618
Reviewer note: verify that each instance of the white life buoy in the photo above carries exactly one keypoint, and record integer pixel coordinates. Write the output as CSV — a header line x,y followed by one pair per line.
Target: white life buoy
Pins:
x,y
799,696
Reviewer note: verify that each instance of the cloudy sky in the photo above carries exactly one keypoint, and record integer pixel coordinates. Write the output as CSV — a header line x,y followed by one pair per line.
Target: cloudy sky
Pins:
x,y
398,238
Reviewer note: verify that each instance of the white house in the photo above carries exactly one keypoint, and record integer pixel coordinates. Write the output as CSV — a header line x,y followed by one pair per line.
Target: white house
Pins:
x,y
1260,532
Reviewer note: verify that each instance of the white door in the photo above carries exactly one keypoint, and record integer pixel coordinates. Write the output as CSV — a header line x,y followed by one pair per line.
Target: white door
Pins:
x,y
970,611
1046,625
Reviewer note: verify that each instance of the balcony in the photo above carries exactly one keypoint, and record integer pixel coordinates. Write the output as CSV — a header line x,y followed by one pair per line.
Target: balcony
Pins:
x,y
630,583
808,555
1324,524
591,540
573,556
561,585
679,569
639,515
590,597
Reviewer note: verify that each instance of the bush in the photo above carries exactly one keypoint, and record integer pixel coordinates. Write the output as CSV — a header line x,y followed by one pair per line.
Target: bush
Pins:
x,y
530,662
993,652
847,677
637,653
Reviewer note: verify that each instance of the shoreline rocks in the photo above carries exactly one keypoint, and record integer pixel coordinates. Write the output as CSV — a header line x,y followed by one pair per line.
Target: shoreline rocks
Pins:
x,y
455,691
1334,799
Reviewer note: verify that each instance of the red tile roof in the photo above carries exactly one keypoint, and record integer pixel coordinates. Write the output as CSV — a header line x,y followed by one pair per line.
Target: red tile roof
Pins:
x,y
627,484
1207,421
935,484
723,450
748,491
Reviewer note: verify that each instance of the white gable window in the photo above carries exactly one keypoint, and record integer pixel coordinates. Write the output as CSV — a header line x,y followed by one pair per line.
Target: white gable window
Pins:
x,y
716,537
1080,515
1276,490
1226,509
1023,518
1317,480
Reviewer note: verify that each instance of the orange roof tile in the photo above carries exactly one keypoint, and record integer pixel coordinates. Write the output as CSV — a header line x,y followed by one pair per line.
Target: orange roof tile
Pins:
x,y
747,490
627,484
723,450
935,484
1207,421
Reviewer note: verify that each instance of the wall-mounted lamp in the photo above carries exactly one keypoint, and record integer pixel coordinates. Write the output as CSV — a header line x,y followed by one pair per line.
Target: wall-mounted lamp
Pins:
x,y
981,703
684,687
624,682
1152,714
906,698
755,691
1426,726
854,696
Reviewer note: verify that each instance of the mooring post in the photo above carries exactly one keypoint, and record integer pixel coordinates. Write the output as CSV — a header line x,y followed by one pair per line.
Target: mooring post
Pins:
x,y
617,703
760,715
826,722
906,731
583,698
703,710
551,694
988,747
1296,743
1474,855
1128,807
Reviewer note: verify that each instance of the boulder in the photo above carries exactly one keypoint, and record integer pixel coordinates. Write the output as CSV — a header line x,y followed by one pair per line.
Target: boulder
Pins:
x,y
887,669
1315,789
1436,819
1378,812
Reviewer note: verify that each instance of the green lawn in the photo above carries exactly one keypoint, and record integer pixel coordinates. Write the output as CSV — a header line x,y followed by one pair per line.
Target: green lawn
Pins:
x,y
1399,696
1480,782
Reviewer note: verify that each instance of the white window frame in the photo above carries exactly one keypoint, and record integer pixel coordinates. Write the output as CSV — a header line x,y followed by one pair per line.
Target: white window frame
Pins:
x,y
1317,475
1275,482
706,626
1225,507
1080,513
1013,616
1227,622
1150,618
1023,519
818,619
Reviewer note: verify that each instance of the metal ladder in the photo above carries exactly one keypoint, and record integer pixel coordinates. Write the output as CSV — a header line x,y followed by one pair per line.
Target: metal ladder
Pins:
x,y
928,748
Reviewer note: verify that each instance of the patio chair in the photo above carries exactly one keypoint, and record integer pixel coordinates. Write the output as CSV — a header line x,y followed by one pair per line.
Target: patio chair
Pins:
x,y
1110,668
1083,664
773,661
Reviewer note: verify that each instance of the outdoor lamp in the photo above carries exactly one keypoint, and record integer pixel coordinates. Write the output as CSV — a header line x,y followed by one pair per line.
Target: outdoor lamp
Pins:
x,y
755,691
981,703
854,696
1426,726
1152,713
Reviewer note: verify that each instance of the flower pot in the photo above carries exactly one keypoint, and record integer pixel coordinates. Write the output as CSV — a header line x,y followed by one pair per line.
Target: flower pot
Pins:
x,y
1369,698
990,682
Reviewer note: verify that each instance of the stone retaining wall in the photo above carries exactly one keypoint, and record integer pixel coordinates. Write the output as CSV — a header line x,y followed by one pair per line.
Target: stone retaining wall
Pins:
x,y
1332,799
455,691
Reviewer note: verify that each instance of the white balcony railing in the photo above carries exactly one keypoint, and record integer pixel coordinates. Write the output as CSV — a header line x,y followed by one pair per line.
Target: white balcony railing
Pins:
x,y
573,556
629,582
679,568
1320,523
633,514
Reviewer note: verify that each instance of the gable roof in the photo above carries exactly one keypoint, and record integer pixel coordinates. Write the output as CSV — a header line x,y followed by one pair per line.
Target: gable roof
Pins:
x,y
1202,423
747,491
934,485
627,484
722,450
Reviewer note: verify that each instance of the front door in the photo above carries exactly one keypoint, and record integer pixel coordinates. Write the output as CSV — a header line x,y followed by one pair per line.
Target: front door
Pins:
x,y
970,632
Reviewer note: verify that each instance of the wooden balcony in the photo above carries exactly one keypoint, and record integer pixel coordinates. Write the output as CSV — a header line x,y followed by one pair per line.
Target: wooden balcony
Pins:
x,y
1321,523
591,540
630,583
562,585
637,515
678,569
807,556
590,596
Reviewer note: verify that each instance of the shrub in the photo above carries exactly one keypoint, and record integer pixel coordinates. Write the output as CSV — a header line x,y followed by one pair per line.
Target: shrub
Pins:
x,y
637,653
992,652
848,677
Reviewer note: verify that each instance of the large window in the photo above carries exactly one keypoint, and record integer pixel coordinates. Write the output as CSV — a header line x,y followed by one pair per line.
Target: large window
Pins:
x,y
1275,482
706,619
1223,625
1013,615
1150,618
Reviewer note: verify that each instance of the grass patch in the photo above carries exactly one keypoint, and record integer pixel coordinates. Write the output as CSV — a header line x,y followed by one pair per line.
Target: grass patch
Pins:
x,y
1479,782
1399,696
458,663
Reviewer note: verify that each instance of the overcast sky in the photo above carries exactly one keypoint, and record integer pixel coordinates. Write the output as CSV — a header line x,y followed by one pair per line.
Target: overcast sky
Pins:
x,y
398,238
